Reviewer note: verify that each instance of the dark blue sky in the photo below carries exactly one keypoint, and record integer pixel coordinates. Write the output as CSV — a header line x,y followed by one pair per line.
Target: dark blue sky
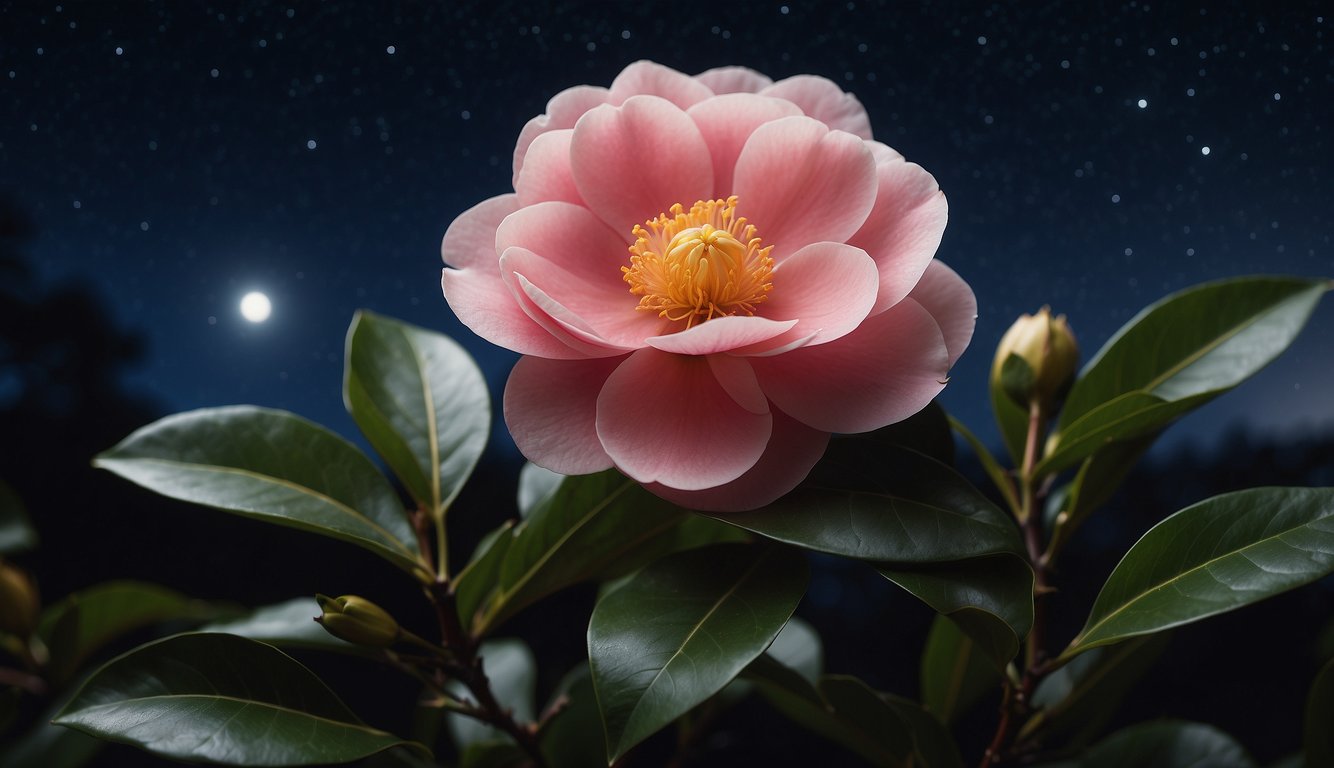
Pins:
x,y
178,155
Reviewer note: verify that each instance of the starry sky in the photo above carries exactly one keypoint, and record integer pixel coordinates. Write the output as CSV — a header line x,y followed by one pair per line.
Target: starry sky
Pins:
x,y
175,156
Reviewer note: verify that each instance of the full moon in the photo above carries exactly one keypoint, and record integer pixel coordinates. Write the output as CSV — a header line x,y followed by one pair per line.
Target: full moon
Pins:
x,y
256,307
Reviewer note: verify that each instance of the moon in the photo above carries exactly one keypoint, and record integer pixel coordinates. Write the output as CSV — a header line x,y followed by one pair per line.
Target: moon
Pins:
x,y
256,307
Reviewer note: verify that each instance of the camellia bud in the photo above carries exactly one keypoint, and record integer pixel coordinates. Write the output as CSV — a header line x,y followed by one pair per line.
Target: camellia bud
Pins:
x,y
19,603
1036,359
357,620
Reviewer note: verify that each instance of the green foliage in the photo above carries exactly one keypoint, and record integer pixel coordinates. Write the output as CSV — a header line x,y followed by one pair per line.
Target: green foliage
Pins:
x,y
955,674
989,598
421,401
289,624
1176,355
271,466
887,504
77,626
1218,555
1164,744
221,699
512,670
682,628
592,526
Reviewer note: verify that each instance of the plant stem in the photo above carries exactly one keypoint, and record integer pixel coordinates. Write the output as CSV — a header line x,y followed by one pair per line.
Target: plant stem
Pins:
x,y
1016,704
469,670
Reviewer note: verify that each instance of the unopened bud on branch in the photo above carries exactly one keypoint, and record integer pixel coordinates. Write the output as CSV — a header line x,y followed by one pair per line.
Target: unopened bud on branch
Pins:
x,y
357,620
1036,359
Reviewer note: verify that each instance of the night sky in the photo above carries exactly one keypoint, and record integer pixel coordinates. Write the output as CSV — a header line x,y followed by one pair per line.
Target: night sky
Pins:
x,y
175,156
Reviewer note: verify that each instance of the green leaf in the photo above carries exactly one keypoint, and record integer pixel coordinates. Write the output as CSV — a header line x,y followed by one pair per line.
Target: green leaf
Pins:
x,y
290,624
421,401
1098,478
884,729
990,598
1218,555
927,432
221,699
799,648
479,579
1167,744
890,504
575,738
1199,342
593,527
1012,420
271,466
77,626
536,485
1319,736
682,628
1078,700
955,674
1126,416
512,671
16,532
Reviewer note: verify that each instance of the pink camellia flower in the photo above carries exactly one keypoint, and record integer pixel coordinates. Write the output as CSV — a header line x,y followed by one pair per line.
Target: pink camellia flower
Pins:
x,y
707,276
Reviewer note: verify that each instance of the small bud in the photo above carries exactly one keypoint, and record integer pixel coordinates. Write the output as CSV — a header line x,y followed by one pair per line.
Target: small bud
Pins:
x,y
357,620
19,603
1036,359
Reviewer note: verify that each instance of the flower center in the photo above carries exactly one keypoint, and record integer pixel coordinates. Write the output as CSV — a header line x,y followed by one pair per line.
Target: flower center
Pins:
x,y
699,264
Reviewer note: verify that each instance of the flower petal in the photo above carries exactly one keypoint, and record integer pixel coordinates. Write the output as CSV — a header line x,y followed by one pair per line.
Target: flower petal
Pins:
x,y
883,153
736,376
571,237
546,170
734,80
551,410
727,121
470,240
904,228
883,372
598,312
823,100
634,161
721,334
647,78
486,305
828,287
563,111
665,418
951,302
793,450
799,183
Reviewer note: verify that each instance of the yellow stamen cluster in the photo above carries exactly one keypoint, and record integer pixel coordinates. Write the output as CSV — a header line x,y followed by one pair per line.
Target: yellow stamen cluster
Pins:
x,y
699,264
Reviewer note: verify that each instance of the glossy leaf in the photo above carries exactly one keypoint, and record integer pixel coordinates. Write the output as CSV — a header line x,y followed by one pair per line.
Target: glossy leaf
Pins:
x,y
535,486
594,526
290,624
1167,744
77,626
1319,727
1124,417
16,531
271,466
1200,341
480,578
989,598
512,671
421,401
798,647
1011,420
955,674
682,628
885,730
1218,555
1098,478
222,699
575,738
1077,701
890,504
